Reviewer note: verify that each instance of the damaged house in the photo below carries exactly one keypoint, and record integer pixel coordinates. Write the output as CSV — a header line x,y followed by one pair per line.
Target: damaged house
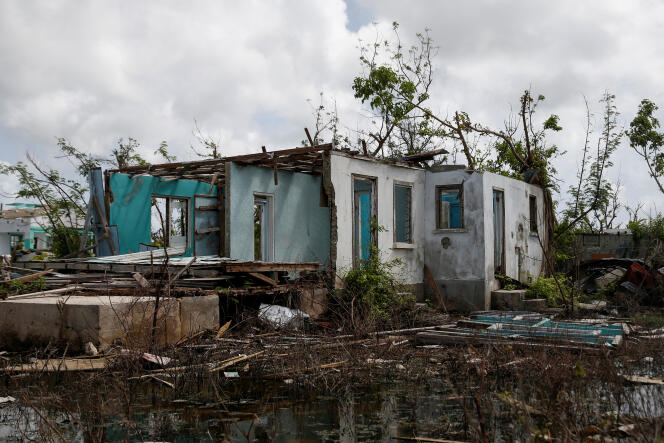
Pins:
x,y
320,204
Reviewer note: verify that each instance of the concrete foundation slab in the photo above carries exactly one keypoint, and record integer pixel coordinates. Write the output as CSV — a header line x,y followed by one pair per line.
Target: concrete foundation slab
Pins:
x,y
198,314
103,320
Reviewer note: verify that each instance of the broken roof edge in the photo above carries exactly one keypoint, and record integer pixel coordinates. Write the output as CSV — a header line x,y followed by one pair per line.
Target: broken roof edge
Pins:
x,y
280,159
220,161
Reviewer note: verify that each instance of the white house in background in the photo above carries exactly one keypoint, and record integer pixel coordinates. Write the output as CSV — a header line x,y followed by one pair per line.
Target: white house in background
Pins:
x,y
22,223
336,206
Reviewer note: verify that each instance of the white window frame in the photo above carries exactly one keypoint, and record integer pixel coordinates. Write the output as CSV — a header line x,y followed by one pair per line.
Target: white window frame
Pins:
x,y
397,244
167,220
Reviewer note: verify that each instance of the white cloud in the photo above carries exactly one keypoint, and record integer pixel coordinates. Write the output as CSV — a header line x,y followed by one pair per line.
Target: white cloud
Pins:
x,y
96,71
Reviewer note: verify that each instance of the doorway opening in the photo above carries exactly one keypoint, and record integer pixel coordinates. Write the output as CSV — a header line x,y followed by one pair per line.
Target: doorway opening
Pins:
x,y
364,216
499,231
263,228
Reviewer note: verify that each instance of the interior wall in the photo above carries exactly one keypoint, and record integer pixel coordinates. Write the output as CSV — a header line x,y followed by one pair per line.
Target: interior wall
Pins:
x,y
456,256
301,224
411,255
523,252
130,206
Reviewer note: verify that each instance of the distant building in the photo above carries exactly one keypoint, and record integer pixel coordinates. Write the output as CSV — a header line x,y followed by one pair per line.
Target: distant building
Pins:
x,y
22,224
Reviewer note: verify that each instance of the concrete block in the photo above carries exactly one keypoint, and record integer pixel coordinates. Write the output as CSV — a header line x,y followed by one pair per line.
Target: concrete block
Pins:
x,y
534,304
198,314
507,300
76,320
313,301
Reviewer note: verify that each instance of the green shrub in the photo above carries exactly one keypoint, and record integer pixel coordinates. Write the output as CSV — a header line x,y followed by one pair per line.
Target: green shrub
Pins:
x,y
16,288
372,288
546,287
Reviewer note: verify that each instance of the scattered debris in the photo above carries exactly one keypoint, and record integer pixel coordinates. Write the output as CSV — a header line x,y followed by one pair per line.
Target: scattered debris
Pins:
x,y
524,328
90,349
223,329
61,364
8,399
156,359
636,379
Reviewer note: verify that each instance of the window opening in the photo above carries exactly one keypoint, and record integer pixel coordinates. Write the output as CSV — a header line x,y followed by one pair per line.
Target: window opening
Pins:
x,y
169,222
402,214
449,202
499,231
15,241
533,213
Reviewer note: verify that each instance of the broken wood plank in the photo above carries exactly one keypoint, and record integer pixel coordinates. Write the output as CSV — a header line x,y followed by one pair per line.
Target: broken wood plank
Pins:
x,y
231,361
636,379
223,329
45,293
155,378
181,271
28,278
213,181
61,365
264,278
311,140
142,282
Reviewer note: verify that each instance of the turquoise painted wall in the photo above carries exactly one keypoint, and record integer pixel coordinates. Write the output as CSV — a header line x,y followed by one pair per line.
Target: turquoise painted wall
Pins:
x,y
130,207
301,225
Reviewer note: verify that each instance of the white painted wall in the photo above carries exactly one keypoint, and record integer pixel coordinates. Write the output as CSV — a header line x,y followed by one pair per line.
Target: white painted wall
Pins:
x,y
517,228
342,170
14,226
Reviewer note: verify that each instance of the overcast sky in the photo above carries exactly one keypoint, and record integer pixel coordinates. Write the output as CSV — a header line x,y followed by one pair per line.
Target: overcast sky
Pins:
x,y
95,71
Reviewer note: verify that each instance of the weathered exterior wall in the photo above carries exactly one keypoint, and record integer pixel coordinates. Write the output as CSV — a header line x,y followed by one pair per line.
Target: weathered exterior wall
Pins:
x,y
523,252
618,243
458,269
412,256
130,206
301,224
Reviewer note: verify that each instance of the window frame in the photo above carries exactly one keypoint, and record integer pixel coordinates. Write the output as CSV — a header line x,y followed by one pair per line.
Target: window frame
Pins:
x,y
439,189
167,235
411,240
533,222
269,218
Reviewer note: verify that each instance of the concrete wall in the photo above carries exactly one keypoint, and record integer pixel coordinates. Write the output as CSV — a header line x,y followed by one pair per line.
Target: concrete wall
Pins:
x,y
412,256
301,224
456,257
523,252
130,206
619,243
